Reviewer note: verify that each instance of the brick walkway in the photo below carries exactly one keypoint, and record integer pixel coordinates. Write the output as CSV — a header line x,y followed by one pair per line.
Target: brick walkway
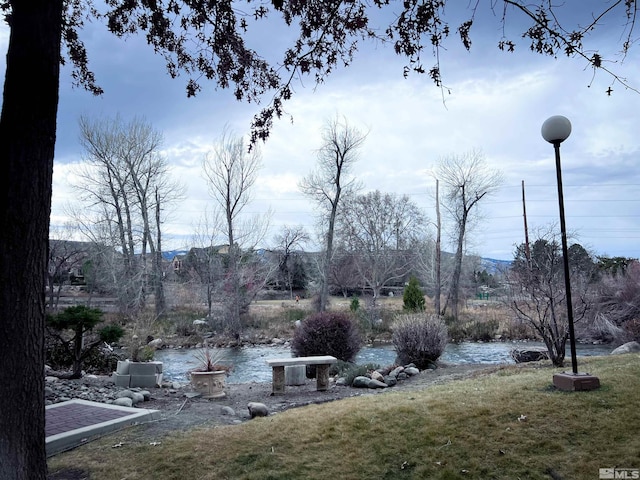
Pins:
x,y
72,423
76,415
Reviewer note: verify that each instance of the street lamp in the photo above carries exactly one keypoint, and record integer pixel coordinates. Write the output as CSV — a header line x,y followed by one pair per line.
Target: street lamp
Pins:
x,y
556,130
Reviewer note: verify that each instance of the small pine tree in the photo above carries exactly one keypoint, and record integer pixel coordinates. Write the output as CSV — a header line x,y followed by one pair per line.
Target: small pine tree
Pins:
x,y
80,321
413,298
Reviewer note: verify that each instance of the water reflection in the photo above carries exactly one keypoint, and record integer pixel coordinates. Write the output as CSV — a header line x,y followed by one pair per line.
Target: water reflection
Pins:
x,y
249,362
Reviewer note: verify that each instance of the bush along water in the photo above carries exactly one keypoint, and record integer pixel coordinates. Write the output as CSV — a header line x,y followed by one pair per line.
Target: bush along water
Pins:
x,y
419,338
327,333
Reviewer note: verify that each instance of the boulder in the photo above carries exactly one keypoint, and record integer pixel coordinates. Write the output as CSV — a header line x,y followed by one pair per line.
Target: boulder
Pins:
x,y
411,371
529,354
257,409
629,347
123,402
376,384
361,382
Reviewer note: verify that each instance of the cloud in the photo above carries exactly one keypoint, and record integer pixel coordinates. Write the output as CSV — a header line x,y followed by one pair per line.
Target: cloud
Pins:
x,y
492,101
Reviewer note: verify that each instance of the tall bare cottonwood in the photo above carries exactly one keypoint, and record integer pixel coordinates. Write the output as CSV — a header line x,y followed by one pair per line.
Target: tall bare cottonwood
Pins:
x,y
126,186
231,170
466,180
330,183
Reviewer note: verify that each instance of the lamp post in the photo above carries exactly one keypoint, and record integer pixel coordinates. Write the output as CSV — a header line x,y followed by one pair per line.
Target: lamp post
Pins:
x,y
556,130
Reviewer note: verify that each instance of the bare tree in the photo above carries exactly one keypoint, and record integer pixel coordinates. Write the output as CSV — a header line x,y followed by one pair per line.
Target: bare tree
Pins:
x,y
538,294
65,259
343,274
289,242
382,231
231,170
467,180
126,184
330,183
204,261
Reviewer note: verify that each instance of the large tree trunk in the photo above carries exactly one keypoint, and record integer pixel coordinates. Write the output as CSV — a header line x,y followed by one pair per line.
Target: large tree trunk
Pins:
x,y
27,142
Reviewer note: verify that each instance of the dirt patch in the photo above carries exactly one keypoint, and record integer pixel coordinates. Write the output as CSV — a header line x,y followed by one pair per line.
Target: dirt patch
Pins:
x,y
178,412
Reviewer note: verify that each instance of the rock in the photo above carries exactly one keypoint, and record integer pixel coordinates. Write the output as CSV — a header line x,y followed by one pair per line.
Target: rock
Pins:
x,y
341,382
137,398
376,384
390,381
375,375
156,343
146,394
199,322
396,371
257,409
531,354
629,347
123,402
228,411
125,394
411,371
360,382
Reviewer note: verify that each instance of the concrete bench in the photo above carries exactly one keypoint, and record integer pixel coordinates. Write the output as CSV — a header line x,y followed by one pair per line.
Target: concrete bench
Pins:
x,y
322,371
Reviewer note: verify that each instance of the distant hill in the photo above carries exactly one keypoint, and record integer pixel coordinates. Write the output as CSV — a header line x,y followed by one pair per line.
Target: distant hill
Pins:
x,y
492,265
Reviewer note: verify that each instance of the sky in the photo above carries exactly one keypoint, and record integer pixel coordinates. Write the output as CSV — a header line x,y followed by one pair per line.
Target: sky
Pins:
x,y
494,103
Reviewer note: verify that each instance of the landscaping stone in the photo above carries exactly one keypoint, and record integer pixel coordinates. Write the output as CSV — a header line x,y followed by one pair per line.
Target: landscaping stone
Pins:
x,y
376,384
123,402
360,382
629,347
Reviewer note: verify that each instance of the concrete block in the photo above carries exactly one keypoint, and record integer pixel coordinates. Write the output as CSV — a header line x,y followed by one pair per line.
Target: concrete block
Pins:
x,y
571,382
146,381
121,380
123,367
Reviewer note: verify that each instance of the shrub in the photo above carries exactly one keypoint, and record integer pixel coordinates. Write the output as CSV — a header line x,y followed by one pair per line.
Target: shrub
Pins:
x,y
457,332
632,329
354,306
327,333
419,338
294,314
483,331
413,298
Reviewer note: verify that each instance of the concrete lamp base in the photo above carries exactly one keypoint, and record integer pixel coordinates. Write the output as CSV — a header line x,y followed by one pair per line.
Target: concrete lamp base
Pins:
x,y
573,382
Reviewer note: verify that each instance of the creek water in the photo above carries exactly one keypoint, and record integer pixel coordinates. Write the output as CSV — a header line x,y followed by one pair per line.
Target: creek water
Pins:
x,y
249,362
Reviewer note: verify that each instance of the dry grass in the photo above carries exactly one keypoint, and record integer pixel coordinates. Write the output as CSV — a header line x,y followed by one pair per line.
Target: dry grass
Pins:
x,y
463,429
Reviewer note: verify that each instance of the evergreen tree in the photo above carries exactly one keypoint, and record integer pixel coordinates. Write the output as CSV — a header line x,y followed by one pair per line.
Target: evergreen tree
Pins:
x,y
413,298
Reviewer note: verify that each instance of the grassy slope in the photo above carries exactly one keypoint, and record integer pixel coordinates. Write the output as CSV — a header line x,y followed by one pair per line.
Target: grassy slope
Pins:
x,y
463,429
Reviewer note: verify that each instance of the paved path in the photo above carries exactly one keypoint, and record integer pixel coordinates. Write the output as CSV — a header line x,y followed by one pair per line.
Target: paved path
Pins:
x,y
72,423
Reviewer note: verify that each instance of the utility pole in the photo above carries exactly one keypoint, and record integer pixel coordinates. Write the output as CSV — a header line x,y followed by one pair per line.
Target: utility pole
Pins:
x,y
438,253
526,230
